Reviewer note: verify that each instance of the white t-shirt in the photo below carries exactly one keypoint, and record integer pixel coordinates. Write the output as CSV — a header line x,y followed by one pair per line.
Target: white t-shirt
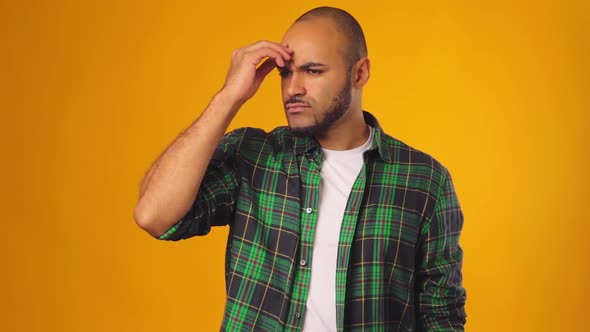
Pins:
x,y
339,172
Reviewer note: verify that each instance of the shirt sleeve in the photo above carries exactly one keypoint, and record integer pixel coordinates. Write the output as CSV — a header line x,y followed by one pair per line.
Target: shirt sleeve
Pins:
x,y
215,200
440,295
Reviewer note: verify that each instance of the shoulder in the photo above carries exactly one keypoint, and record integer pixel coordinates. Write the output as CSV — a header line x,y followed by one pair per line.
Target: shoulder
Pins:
x,y
418,166
410,154
401,155
400,152
248,140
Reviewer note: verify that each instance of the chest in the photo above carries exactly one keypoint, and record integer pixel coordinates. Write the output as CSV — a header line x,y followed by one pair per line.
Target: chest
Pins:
x,y
279,202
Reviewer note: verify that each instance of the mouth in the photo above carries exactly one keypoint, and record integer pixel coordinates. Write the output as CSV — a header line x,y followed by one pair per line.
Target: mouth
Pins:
x,y
296,107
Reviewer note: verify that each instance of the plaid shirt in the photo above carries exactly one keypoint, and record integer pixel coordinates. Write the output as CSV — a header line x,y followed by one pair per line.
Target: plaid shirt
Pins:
x,y
399,261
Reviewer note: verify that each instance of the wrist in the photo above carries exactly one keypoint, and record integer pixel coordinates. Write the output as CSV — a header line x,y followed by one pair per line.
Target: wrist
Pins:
x,y
228,100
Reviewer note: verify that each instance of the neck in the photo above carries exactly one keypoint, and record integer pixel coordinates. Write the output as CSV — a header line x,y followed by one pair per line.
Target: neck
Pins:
x,y
347,133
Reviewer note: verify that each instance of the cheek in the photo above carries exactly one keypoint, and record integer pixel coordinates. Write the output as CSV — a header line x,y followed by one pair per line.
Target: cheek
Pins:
x,y
322,91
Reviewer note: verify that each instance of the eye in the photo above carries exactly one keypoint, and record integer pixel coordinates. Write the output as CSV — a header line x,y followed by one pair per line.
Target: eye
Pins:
x,y
314,71
284,73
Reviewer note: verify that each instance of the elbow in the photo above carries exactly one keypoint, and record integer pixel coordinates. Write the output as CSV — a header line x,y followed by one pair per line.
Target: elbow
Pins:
x,y
146,219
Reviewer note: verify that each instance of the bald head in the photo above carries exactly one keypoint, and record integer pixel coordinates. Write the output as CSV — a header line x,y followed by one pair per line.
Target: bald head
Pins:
x,y
350,28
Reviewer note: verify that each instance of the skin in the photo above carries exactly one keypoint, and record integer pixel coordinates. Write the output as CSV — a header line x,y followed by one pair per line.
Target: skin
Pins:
x,y
170,186
318,79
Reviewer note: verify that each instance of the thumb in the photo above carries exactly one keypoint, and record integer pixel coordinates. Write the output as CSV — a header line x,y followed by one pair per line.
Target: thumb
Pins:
x,y
266,67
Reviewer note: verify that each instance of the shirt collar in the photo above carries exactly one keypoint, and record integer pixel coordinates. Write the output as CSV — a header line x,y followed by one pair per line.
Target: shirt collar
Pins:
x,y
382,142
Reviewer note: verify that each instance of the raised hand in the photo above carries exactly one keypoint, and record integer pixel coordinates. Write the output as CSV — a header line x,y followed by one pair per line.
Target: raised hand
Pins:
x,y
245,75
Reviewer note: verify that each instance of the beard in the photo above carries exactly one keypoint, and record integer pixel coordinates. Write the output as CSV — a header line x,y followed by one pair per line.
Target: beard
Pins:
x,y
337,108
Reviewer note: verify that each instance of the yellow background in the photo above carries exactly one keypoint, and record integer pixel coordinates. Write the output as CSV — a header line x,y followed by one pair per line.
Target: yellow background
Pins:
x,y
92,91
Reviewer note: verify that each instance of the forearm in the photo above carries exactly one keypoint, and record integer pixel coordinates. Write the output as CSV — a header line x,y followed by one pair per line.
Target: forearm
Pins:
x,y
441,306
170,186
440,294
172,183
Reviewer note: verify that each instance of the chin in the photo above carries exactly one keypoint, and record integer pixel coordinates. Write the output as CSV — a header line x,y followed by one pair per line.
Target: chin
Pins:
x,y
303,131
298,122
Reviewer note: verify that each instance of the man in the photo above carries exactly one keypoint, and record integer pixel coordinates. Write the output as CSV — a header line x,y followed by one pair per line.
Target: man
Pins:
x,y
334,225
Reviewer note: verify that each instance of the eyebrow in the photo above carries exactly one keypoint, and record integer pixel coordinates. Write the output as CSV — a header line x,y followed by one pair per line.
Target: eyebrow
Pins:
x,y
304,66
308,65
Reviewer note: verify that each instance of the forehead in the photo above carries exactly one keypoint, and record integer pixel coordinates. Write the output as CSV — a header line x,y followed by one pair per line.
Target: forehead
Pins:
x,y
316,40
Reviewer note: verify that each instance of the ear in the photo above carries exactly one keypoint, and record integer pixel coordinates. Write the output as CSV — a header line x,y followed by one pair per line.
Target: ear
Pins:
x,y
361,72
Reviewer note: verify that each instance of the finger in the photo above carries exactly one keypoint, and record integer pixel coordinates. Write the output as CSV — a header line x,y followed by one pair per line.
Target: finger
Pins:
x,y
287,48
284,50
266,43
270,53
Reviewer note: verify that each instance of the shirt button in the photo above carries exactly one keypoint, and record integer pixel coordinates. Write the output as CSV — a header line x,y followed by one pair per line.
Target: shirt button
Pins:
x,y
308,210
297,315
302,262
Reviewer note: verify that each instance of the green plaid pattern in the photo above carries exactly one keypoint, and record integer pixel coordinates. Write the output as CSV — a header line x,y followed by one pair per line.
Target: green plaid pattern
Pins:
x,y
399,260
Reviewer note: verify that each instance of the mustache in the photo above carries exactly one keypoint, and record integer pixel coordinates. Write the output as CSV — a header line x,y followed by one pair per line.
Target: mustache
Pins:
x,y
296,100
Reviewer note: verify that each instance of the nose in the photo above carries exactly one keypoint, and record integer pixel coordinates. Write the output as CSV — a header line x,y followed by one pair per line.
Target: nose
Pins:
x,y
295,84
